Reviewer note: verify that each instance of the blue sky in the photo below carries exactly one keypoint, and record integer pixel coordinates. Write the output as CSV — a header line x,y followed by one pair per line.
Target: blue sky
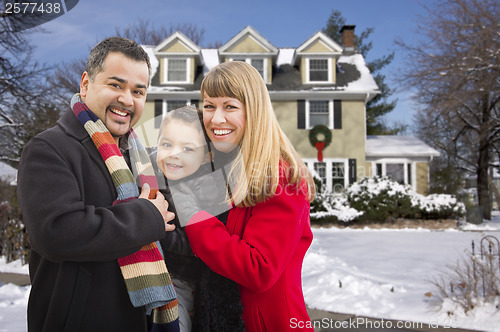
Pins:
x,y
284,23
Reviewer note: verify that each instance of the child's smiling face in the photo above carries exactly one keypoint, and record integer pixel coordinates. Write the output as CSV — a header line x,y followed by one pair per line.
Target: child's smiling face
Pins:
x,y
181,149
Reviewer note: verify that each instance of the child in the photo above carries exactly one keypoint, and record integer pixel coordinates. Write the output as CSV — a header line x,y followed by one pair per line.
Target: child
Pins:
x,y
184,159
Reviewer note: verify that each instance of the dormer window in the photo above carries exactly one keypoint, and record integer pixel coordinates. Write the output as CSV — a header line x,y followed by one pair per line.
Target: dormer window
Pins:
x,y
319,71
257,63
176,70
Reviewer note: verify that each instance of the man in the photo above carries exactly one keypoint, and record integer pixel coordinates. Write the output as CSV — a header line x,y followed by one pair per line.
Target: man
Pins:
x,y
67,198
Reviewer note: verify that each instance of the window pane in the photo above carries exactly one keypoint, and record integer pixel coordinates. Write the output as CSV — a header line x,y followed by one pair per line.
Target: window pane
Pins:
x,y
173,104
395,172
316,76
318,70
318,64
177,70
259,65
338,177
318,119
318,106
319,113
320,168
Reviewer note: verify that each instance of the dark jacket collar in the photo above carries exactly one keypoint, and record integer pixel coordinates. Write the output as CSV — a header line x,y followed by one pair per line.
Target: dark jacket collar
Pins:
x,y
72,127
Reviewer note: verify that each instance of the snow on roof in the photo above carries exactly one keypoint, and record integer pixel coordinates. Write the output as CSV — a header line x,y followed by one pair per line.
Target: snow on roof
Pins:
x,y
210,58
285,56
398,146
8,173
366,81
152,58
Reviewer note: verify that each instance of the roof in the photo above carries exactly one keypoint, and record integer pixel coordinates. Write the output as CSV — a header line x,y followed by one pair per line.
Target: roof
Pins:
x,y
398,146
352,73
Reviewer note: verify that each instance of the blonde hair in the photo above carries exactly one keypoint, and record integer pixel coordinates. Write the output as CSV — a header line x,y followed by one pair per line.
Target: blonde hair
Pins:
x,y
264,145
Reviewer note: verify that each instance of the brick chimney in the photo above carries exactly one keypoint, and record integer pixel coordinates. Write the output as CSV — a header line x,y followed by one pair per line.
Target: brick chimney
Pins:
x,y
347,33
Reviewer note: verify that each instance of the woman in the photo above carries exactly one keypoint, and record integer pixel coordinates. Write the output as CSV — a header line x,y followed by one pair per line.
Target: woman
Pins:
x,y
262,245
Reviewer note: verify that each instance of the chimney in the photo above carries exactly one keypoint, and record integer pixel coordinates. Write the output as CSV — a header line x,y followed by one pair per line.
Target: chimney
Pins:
x,y
347,33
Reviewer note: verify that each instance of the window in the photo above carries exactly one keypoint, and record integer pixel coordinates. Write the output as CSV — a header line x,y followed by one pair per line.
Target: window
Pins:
x,y
257,63
318,70
400,171
162,107
333,173
338,177
320,169
176,70
319,113
396,172
173,104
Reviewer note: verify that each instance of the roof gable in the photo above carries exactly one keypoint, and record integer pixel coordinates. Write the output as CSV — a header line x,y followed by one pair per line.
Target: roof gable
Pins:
x,y
320,43
177,43
248,40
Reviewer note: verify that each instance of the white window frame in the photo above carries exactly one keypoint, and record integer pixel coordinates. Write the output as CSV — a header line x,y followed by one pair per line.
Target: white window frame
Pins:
x,y
165,102
249,61
329,167
330,113
403,161
329,68
165,70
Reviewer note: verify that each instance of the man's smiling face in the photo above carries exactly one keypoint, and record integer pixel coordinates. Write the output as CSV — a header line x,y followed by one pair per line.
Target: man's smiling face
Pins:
x,y
118,93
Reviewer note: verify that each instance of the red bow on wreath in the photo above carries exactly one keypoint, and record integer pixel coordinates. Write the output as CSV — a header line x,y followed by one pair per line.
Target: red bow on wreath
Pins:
x,y
320,144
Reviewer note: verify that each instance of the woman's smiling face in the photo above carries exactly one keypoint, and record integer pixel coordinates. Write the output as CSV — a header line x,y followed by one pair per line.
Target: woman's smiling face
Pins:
x,y
224,119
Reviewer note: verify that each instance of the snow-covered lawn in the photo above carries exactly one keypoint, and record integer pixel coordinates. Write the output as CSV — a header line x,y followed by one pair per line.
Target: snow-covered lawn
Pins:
x,y
386,273
375,273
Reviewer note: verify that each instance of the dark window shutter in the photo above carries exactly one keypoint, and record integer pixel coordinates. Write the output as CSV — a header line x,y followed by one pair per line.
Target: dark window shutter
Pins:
x,y
194,102
158,112
352,171
301,114
337,114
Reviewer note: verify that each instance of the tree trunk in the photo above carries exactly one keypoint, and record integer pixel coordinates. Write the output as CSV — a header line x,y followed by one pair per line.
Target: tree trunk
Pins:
x,y
483,164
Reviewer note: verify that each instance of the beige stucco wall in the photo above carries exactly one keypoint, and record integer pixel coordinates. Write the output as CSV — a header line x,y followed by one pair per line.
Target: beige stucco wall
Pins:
x,y
422,178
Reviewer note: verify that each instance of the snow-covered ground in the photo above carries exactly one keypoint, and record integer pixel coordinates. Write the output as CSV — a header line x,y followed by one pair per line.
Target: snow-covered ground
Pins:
x,y
386,273
375,273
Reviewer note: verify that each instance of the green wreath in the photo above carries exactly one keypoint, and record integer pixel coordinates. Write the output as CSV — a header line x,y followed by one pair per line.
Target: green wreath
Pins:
x,y
323,130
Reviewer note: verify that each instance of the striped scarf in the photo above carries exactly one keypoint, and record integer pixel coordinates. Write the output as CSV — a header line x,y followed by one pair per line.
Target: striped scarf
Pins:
x,y
145,274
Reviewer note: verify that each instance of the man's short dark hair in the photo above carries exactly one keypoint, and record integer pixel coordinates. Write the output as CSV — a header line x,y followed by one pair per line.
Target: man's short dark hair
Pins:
x,y
128,47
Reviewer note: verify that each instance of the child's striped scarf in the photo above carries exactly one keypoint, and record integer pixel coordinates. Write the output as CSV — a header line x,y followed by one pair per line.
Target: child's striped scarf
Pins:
x,y
146,276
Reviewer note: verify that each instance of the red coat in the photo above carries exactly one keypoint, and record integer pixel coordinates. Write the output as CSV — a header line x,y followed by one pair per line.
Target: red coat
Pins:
x,y
262,249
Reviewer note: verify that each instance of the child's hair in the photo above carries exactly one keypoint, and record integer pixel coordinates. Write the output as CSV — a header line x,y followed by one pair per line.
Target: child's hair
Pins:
x,y
188,114
264,146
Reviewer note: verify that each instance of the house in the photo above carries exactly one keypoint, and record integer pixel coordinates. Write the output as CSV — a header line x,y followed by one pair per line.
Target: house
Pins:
x,y
319,92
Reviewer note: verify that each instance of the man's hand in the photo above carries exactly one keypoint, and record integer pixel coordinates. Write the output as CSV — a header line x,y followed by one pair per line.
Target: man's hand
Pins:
x,y
161,204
